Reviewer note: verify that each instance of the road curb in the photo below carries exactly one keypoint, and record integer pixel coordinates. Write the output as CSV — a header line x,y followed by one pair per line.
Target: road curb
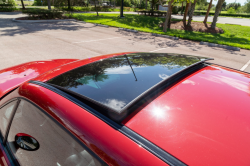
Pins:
x,y
128,30
220,46
41,21
106,26
165,36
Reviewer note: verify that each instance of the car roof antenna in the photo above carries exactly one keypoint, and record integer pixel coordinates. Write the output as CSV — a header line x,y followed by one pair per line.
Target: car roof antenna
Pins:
x,y
131,67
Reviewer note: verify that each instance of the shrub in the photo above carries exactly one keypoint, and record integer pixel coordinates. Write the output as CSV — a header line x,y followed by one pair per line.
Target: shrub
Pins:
x,y
176,9
7,7
44,14
234,5
231,10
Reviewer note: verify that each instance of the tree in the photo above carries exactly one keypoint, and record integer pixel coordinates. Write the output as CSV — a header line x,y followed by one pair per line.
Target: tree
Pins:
x,y
96,8
168,16
22,4
217,12
153,3
224,5
191,12
247,4
208,9
233,5
69,4
185,14
49,6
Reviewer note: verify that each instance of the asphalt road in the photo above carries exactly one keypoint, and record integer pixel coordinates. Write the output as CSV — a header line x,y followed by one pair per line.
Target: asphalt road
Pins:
x,y
23,42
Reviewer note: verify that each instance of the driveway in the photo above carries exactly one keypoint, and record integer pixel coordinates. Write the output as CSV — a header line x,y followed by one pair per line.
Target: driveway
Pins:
x,y
23,42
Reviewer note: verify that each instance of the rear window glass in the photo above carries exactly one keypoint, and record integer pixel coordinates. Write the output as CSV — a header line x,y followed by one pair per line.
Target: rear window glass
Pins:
x,y
117,81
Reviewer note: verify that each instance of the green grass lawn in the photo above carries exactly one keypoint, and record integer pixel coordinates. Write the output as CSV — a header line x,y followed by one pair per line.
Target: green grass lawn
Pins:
x,y
234,35
29,3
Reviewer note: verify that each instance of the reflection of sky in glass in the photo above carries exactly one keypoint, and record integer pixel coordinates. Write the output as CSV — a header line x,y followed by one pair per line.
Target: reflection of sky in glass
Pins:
x,y
115,82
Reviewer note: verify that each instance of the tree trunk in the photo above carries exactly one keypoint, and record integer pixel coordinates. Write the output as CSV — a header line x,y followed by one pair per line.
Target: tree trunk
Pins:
x,y
217,12
69,4
22,4
182,6
146,4
185,14
96,8
208,9
169,20
165,24
49,6
191,12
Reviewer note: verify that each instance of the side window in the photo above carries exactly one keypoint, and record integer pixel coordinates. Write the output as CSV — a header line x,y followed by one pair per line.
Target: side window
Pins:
x,y
57,147
5,115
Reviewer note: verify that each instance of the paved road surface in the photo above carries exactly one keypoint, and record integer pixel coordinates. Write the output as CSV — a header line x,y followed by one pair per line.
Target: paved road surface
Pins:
x,y
23,42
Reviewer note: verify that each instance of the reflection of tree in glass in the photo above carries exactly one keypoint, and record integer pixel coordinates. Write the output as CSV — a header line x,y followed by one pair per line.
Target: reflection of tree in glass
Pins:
x,y
169,61
96,71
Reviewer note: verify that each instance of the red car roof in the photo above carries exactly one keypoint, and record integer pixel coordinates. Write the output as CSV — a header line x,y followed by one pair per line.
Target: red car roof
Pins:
x,y
202,120
13,77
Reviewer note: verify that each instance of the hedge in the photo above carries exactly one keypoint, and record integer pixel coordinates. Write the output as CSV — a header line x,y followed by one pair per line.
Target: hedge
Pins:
x,y
224,14
44,14
7,8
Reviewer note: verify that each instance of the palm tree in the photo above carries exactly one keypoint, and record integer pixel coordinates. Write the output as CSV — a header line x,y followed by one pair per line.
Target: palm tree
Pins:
x,y
217,12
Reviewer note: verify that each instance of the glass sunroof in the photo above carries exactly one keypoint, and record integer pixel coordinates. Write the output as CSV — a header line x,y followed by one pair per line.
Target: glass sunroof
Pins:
x,y
117,81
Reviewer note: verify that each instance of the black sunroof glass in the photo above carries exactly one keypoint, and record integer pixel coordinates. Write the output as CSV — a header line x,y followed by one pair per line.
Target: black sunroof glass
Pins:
x,y
117,81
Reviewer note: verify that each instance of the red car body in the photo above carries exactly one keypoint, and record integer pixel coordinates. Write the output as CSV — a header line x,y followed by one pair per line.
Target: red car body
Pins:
x,y
203,119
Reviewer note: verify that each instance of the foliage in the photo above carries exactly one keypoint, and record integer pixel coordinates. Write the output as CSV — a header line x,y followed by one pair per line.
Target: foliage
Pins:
x,y
39,3
223,7
234,35
234,5
9,7
231,10
99,8
176,9
44,14
247,4
223,14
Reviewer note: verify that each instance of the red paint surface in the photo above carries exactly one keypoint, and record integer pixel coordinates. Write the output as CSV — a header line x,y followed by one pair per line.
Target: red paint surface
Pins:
x,y
111,145
53,73
202,120
4,161
11,78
